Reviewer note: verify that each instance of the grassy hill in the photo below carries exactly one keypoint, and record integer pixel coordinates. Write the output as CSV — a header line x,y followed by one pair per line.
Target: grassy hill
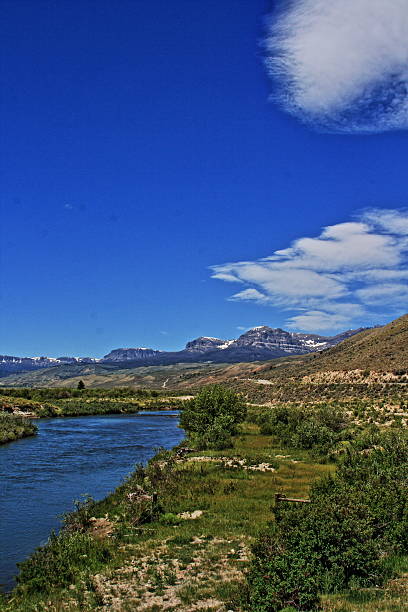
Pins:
x,y
382,349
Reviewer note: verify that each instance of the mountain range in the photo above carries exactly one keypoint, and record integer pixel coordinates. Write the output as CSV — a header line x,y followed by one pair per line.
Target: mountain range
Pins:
x,y
256,344
359,358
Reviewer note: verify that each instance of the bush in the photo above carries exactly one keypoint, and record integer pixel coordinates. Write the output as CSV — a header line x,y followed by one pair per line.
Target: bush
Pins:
x,y
310,434
345,537
13,427
318,427
211,418
79,519
275,576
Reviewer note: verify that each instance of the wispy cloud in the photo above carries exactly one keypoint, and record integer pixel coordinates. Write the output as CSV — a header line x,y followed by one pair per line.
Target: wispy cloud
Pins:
x,y
332,280
341,64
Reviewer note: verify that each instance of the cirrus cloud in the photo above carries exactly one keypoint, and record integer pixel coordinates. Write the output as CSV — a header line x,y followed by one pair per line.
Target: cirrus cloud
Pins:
x,y
341,64
327,282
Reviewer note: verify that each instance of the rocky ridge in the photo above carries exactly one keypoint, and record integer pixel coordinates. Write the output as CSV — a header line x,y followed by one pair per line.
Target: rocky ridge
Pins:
x,y
131,354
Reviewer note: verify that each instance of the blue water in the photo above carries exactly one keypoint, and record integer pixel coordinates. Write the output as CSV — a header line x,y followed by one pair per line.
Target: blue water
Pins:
x,y
41,476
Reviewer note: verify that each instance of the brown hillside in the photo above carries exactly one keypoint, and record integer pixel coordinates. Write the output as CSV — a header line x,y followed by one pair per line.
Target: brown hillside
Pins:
x,y
381,349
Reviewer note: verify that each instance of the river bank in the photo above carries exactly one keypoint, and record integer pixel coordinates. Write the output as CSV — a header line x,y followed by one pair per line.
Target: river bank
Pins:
x,y
41,476
188,552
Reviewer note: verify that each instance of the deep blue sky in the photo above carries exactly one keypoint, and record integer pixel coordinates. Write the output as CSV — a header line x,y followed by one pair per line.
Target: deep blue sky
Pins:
x,y
139,147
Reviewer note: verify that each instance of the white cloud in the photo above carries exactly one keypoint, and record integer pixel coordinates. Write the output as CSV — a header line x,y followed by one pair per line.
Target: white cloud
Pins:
x,y
333,279
395,221
249,295
378,294
342,64
342,246
377,275
226,277
317,320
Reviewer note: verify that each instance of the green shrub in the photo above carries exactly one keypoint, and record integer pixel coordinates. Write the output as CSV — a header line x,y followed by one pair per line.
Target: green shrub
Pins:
x,y
79,519
280,578
344,538
310,434
314,427
13,427
211,418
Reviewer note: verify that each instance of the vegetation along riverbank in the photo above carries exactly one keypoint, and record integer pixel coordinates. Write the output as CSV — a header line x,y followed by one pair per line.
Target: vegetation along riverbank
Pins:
x,y
37,403
198,528
14,427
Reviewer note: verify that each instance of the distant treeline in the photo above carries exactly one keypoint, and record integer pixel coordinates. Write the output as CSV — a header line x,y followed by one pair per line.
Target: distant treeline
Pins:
x,y
44,394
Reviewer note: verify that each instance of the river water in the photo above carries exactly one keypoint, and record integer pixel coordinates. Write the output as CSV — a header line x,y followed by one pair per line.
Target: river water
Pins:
x,y
41,476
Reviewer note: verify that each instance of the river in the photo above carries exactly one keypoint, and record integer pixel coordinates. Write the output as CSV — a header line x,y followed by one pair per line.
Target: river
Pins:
x,y
41,476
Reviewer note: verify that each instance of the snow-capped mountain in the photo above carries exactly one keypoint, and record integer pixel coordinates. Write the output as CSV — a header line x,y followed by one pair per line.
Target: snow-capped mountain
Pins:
x,y
266,338
261,343
256,344
205,343
11,365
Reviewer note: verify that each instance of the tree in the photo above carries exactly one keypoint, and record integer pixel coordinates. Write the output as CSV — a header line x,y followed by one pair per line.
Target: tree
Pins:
x,y
211,418
81,385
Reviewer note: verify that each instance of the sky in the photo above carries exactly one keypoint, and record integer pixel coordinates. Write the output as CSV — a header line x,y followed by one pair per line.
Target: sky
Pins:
x,y
177,169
